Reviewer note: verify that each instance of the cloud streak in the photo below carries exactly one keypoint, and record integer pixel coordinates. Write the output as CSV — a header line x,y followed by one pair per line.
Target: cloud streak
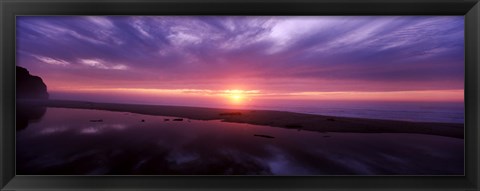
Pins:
x,y
270,54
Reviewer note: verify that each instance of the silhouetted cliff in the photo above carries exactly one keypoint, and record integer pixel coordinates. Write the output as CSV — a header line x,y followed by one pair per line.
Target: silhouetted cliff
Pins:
x,y
30,87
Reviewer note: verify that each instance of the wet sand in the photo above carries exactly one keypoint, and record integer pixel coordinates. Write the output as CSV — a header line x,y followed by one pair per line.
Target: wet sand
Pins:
x,y
66,141
299,121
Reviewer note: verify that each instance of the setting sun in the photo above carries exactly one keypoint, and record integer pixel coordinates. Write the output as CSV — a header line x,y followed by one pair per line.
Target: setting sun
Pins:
x,y
235,96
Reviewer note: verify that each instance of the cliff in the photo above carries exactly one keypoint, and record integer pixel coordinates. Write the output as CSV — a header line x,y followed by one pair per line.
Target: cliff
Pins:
x,y
29,86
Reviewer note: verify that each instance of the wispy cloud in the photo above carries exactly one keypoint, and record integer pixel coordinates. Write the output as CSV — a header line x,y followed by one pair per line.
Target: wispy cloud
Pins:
x,y
309,54
52,61
100,64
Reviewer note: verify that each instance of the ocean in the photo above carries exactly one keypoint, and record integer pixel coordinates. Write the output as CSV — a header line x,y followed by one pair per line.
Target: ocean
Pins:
x,y
446,112
405,111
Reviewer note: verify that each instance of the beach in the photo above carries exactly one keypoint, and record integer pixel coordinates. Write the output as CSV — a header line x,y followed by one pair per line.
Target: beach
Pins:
x,y
291,120
67,141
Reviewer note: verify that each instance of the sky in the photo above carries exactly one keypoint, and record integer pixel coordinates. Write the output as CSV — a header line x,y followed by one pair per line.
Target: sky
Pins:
x,y
239,59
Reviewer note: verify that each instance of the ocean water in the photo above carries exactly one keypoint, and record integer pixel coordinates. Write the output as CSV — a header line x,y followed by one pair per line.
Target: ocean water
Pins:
x,y
405,111
444,112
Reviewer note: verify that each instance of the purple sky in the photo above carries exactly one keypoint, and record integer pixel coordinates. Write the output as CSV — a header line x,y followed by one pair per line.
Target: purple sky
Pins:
x,y
263,55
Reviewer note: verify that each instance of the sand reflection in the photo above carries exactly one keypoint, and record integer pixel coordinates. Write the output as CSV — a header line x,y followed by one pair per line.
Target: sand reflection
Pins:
x,y
67,141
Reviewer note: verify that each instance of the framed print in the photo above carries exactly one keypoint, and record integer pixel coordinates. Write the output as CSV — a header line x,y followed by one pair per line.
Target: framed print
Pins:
x,y
240,95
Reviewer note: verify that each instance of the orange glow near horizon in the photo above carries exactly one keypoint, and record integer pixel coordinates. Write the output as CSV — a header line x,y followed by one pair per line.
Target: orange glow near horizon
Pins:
x,y
420,95
237,96
236,99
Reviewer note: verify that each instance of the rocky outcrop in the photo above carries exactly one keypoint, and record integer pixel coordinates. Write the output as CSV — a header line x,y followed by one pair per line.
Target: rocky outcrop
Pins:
x,y
29,86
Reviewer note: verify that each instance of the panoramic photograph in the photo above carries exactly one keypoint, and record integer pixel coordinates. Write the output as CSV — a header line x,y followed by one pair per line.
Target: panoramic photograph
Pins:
x,y
240,95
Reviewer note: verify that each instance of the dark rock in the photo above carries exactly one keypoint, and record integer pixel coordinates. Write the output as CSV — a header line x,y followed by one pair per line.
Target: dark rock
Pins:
x,y
28,86
178,119
330,119
96,120
143,120
230,113
166,119
294,126
264,136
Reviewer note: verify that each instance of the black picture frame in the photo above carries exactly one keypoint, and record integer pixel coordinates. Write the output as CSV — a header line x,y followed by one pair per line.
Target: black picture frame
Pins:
x,y
10,8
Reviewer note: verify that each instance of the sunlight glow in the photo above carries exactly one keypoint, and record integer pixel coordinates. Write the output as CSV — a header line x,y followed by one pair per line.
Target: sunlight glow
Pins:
x,y
235,96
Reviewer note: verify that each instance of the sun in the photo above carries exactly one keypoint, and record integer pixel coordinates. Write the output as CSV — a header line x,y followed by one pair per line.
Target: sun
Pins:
x,y
235,96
